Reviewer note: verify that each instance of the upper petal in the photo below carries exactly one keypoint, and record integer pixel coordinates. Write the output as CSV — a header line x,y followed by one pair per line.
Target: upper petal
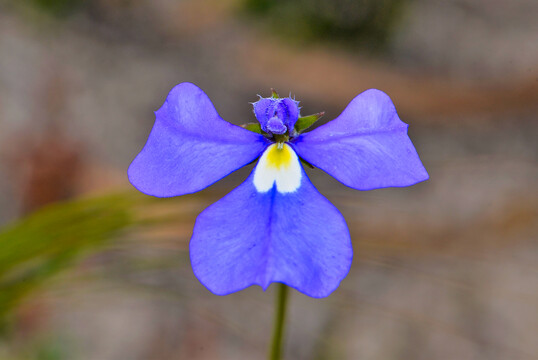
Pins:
x,y
190,146
366,147
255,237
272,111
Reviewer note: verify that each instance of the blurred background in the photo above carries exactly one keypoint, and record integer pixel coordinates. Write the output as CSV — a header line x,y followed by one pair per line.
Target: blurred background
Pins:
x,y
91,269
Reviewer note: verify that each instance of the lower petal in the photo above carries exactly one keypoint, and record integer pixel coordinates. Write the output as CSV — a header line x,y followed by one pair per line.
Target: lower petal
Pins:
x,y
252,237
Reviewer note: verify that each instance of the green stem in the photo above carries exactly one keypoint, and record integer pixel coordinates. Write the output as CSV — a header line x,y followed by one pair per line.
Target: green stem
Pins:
x,y
280,317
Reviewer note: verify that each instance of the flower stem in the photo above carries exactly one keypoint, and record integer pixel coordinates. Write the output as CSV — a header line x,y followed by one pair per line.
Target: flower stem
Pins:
x,y
280,317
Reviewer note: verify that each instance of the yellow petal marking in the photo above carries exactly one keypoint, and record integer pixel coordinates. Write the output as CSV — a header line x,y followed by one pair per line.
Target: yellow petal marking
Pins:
x,y
279,158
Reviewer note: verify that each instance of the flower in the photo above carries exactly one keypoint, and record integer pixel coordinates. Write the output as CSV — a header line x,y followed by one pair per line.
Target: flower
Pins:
x,y
274,227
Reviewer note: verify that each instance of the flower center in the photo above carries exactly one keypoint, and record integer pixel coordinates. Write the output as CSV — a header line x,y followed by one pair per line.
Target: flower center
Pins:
x,y
276,125
278,165
277,116
279,157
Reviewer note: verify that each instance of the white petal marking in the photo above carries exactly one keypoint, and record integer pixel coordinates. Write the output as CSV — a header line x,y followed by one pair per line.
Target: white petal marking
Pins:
x,y
280,166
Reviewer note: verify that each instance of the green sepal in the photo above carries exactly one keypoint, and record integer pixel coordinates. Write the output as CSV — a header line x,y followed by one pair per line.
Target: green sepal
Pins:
x,y
254,127
274,94
305,122
281,138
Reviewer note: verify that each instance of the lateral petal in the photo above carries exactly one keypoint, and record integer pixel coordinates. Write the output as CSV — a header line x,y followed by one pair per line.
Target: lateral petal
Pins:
x,y
190,146
366,147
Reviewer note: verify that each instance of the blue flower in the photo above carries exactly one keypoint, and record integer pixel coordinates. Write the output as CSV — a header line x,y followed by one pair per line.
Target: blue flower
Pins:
x,y
274,227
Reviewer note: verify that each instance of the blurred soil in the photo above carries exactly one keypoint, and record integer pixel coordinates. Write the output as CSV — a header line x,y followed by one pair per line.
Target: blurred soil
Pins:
x,y
446,269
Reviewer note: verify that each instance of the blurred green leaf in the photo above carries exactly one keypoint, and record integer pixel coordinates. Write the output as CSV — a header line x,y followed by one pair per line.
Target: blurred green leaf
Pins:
x,y
42,244
58,7
367,23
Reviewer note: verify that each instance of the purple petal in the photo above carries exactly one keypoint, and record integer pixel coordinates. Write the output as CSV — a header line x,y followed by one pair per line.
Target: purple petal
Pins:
x,y
284,109
190,146
366,147
262,108
288,109
252,238
275,126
